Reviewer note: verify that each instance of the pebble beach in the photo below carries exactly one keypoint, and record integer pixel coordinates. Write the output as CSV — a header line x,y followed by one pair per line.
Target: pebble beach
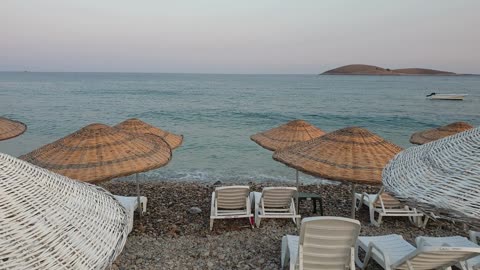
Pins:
x,y
174,232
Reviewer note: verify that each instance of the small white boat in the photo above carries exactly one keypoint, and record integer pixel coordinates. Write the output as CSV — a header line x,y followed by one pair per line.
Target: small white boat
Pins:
x,y
446,96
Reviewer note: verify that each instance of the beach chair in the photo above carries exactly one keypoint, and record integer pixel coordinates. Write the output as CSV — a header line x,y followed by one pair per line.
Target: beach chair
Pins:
x,y
393,252
455,241
324,243
230,202
131,204
275,202
387,206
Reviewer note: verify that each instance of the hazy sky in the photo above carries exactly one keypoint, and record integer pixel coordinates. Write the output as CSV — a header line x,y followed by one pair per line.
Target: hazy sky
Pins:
x,y
223,36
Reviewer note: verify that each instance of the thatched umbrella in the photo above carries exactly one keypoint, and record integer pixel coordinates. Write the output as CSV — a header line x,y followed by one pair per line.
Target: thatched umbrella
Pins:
x,y
137,126
352,154
433,134
442,177
11,128
287,135
49,221
98,153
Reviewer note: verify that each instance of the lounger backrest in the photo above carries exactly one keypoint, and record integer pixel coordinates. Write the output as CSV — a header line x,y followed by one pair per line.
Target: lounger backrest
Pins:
x,y
430,257
232,197
327,242
278,197
388,200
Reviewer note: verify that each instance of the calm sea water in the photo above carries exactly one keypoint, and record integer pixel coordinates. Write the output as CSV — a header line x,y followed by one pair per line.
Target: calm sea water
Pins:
x,y
218,113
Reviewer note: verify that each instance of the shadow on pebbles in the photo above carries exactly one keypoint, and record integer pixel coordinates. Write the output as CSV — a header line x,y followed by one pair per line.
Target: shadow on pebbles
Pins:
x,y
172,235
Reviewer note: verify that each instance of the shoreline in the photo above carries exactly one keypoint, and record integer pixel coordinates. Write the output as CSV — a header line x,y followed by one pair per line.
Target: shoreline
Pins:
x,y
168,236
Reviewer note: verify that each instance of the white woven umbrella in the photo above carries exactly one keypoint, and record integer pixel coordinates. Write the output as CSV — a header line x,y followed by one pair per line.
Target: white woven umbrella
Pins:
x,y
441,177
49,221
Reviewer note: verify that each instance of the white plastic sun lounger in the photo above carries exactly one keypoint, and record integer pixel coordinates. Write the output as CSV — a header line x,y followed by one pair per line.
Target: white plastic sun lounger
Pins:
x,y
455,241
131,204
393,252
324,243
230,202
387,206
275,202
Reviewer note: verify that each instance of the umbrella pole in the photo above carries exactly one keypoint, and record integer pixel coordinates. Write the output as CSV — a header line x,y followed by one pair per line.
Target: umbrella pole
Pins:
x,y
296,199
138,194
353,200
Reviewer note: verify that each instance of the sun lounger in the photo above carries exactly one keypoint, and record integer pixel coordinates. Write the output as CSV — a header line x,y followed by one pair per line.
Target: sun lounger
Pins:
x,y
324,243
393,252
387,206
230,202
454,241
275,202
131,204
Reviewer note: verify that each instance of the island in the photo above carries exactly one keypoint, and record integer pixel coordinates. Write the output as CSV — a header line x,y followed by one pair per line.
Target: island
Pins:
x,y
359,69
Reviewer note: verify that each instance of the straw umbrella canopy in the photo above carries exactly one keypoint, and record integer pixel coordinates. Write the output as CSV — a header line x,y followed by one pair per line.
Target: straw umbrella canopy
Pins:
x,y
11,128
137,126
441,177
433,134
286,135
98,153
49,221
352,154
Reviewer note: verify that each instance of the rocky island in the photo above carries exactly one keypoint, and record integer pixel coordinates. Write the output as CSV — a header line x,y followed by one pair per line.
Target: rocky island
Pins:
x,y
359,69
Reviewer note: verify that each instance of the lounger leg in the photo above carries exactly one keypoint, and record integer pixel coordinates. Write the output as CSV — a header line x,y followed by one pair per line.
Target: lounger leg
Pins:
x,y
380,216
144,204
211,224
257,221
359,262
463,265
424,223
285,253
352,258
372,217
358,203
257,218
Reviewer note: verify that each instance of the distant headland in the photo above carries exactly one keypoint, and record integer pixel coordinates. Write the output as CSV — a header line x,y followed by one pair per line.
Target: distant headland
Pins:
x,y
359,69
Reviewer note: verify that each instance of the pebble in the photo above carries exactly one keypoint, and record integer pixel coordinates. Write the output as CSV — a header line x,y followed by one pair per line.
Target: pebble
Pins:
x,y
174,238
194,210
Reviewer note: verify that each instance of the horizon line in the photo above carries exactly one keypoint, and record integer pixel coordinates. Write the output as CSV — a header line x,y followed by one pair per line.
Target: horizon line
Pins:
x,y
213,73
154,72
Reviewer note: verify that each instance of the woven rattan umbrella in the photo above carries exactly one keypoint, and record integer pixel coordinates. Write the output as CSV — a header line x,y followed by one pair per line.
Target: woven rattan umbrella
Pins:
x,y
48,221
433,134
350,154
442,177
137,126
98,153
286,135
11,128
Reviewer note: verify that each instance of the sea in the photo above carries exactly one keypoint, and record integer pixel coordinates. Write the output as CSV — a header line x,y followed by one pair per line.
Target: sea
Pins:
x,y
218,113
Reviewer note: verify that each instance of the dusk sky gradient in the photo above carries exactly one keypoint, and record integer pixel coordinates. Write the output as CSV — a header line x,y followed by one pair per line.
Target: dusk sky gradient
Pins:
x,y
221,36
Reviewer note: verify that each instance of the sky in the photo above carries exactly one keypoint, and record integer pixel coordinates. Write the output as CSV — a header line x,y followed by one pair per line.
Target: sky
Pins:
x,y
249,36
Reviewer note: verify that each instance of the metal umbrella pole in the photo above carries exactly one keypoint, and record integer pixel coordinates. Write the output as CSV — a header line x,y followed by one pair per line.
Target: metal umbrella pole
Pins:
x,y
138,195
296,202
353,200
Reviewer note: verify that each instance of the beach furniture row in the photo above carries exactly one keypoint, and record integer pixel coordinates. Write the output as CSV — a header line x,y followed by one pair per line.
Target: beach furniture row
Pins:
x,y
279,202
334,243
236,202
